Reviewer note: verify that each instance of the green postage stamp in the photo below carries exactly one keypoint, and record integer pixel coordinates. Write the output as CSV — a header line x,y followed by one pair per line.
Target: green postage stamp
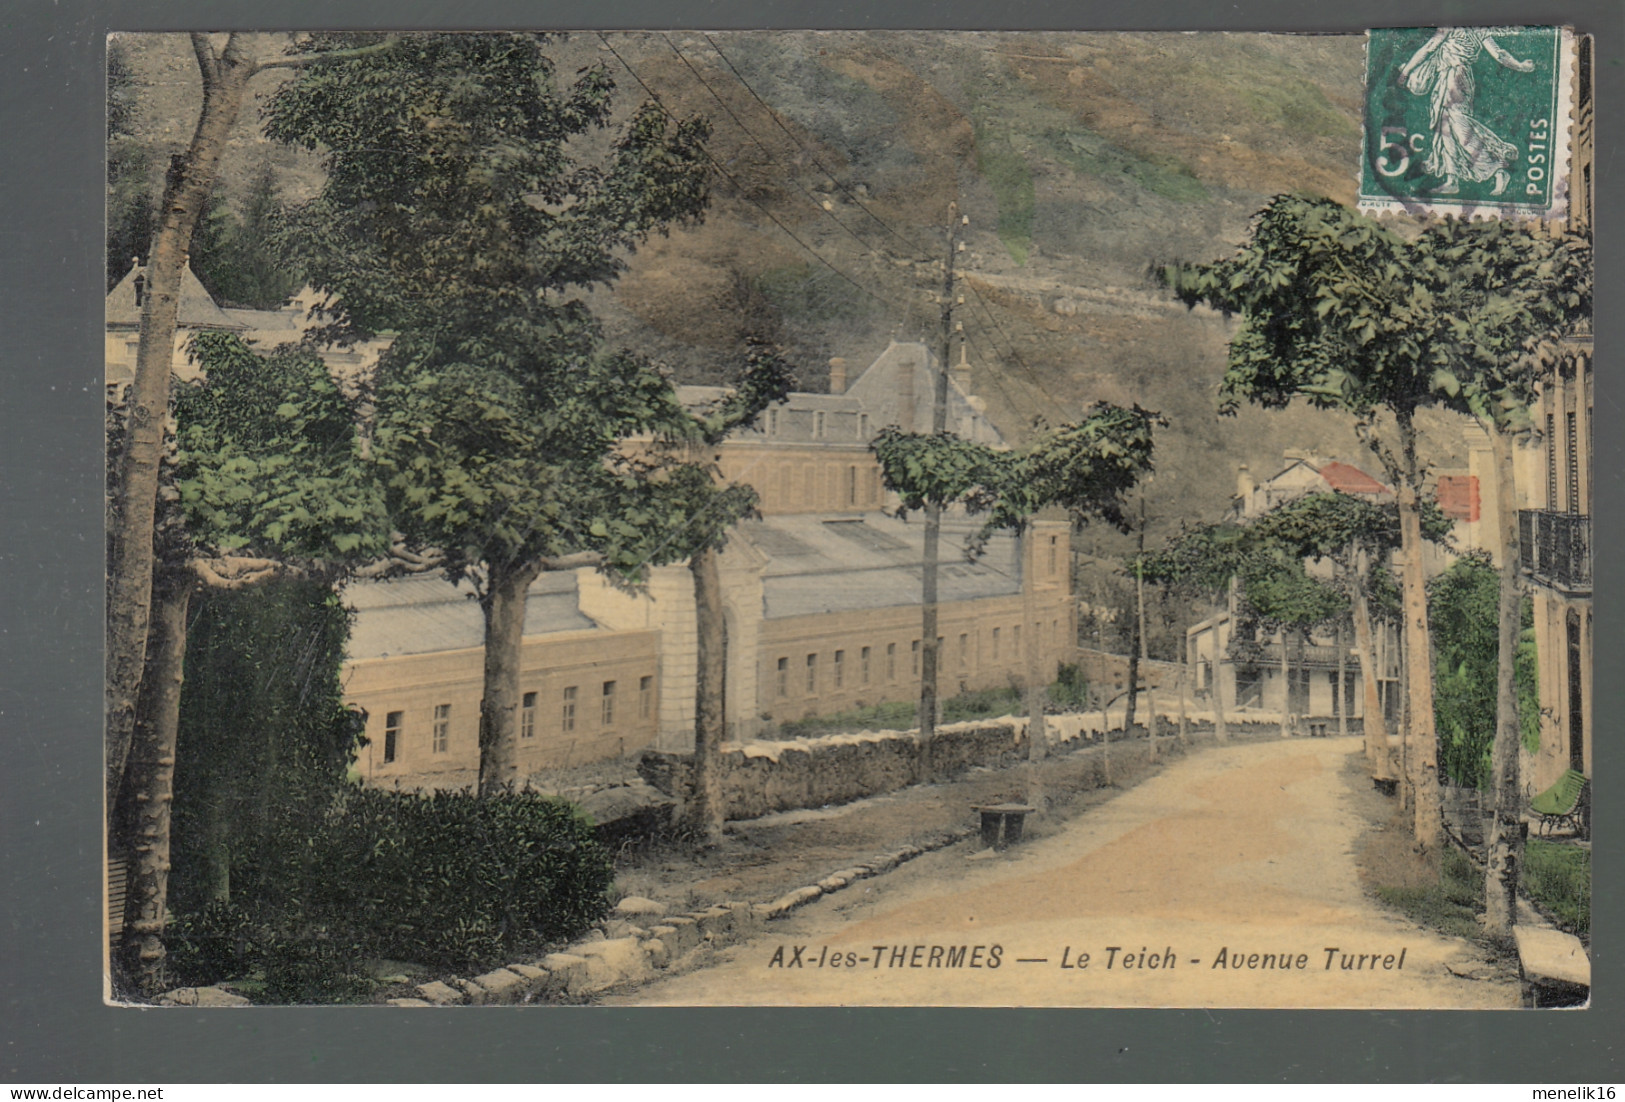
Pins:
x,y
1467,121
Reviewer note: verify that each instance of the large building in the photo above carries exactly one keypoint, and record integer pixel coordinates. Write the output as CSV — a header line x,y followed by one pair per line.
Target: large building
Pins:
x,y
1297,673
821,603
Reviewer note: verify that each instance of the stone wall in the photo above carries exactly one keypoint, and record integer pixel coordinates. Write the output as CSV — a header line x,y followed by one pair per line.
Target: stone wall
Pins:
x,y
761,777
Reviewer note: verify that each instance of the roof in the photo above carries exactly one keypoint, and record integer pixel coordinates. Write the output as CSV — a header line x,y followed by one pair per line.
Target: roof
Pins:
x,y
839,563
197,309
1458,496
1346,479
422,615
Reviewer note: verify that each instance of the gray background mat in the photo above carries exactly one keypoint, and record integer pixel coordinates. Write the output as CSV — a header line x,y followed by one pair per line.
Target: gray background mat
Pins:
x,y
54,1029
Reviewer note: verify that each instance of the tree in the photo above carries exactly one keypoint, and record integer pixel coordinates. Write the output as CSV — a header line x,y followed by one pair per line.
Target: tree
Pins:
x,y
1086,467
457,214
133,496
1348,314
266,472
232,253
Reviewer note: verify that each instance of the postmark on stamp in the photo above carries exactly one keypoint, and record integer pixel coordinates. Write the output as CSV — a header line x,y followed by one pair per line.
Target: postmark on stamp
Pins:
x,y
1471,121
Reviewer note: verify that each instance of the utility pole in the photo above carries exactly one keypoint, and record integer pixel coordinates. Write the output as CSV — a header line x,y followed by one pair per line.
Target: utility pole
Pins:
x,y
933,509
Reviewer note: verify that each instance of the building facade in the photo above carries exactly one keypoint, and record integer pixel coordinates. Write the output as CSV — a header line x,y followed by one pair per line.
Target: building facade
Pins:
x,y
821,600
1554,518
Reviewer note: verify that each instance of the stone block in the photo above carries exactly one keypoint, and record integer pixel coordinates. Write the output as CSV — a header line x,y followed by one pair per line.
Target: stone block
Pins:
x,y
562,970
685,934
530,972
441,994
638,905
616,927
407,1002
477,995
502,987
610,964
745,917
798,898
657,952
215,996
832,883
715,922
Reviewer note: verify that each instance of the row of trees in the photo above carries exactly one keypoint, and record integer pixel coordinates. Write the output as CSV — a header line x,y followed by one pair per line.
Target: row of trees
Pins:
x,y
456,218
1382,321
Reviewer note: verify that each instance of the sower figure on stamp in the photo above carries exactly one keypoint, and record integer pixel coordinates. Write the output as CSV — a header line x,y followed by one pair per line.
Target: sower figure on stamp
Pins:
x,y
1463,146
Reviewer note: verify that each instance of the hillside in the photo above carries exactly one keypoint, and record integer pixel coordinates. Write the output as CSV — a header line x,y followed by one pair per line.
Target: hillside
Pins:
x,y
1079,159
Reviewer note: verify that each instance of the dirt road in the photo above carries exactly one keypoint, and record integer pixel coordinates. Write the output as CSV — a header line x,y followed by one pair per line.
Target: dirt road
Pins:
x,y
1228,879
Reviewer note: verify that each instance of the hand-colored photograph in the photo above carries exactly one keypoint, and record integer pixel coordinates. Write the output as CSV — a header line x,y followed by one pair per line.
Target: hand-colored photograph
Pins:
x,y
861,518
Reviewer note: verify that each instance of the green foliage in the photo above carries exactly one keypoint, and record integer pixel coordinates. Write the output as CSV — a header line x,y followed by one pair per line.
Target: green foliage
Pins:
x,y
268,457
233,253
1087,467
457,213
1071,688
130,208
453,879
1342,311
1526,674
1463,607
447,880
264,738
1285,595
1558,877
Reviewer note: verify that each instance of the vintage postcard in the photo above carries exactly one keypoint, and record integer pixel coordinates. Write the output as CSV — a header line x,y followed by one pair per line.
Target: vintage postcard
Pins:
x,y
850,518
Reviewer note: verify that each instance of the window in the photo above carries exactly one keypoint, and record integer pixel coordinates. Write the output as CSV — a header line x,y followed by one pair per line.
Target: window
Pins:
x,y
863,665
863,426
851,485
995,644
442,728
609,703
784,677
392,735
812,673
914,664
646,696
567,717
818,425
772,422
874,485
840,668
810,485
1015,637
891,661
964,650
1054,553
787,486
527,716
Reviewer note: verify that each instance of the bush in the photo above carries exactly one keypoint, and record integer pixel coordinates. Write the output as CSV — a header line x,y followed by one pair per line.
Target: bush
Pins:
x,y
453,879
447,879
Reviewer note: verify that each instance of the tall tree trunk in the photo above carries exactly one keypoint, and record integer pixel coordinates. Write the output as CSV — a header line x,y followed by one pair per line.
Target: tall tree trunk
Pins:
x,y
1286,689
1376,731
151,783
706,813
1133,683
1421,732
135,484
1506,842
1340,699
506,596
1033,692
1184,713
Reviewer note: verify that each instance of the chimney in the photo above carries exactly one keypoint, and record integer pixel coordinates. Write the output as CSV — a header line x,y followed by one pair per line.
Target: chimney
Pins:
x,y
1244,483
837,375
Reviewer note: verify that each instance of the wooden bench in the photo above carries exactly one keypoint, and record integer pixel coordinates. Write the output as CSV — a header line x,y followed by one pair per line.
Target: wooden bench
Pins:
x,y
1562,803
1002,823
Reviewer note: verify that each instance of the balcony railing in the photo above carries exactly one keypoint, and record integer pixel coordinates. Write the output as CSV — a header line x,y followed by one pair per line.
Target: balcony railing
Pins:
x,y
1555,549
1313,654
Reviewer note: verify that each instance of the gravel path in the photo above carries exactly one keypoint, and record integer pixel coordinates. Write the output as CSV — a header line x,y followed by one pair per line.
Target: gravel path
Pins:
x,y
1226,879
